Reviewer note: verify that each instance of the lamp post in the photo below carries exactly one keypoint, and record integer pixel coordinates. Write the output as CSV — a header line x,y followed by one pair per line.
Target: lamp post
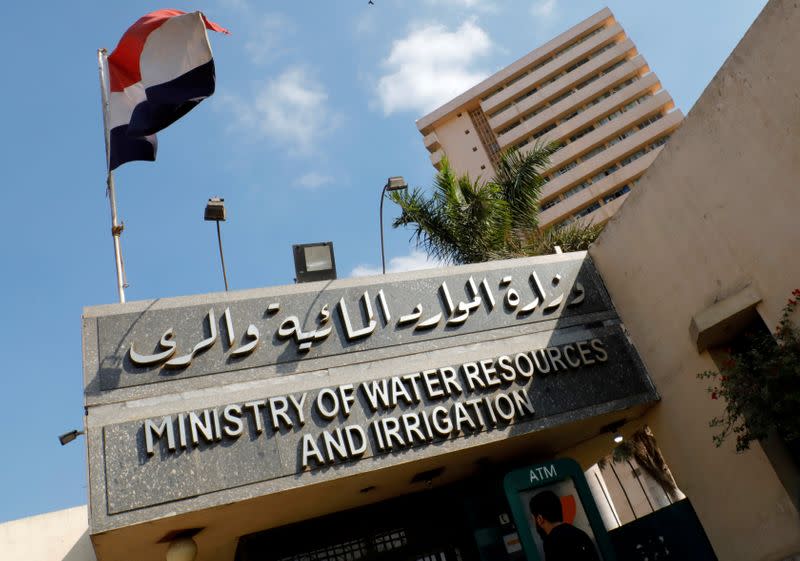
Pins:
x,y
215,212
392,184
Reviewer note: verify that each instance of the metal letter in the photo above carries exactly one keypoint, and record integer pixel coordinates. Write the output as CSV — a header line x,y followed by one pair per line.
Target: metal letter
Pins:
x,y
166,343
229,327
447,300
580,294
387,317
512,298
429,323
354,334
150,427
186,360
413,316
488,293
310,449
252,332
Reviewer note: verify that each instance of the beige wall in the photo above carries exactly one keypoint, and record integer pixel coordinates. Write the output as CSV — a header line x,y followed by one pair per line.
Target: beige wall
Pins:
x,y
56,536
716,212
460,146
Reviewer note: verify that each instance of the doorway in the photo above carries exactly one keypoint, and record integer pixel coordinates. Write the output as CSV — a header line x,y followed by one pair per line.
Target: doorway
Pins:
x,y
426,526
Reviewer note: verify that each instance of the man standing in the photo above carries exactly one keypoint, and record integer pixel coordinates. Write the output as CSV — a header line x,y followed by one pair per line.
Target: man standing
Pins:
x,y
562,541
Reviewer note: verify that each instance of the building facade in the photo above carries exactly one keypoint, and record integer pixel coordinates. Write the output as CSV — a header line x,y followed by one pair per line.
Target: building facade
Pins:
x,y
588,90
389,417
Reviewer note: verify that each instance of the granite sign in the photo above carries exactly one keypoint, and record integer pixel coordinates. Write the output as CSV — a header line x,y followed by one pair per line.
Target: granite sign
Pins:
x,y
169,343
471,412
190,400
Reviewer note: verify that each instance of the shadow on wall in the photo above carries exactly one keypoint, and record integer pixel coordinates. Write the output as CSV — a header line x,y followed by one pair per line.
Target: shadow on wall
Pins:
x,y
81,550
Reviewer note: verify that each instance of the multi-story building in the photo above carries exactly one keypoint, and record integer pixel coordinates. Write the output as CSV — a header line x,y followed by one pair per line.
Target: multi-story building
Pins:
x,y
588,90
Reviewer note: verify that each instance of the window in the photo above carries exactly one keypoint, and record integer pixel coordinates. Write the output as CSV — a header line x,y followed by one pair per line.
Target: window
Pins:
x,y
632,157
587,82
617,194
564,169
592,153
545,130
496,112
610,117
661,141
577,189
578,64
589,209
580,133
568,117
649,121
606,172
562,97
526,95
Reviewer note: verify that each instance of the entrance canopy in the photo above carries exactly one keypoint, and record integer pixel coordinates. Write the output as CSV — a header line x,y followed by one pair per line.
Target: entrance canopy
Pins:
x,y
226,414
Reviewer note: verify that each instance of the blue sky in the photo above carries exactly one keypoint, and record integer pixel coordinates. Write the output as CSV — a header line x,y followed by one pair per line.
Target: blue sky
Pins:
x,y
315,107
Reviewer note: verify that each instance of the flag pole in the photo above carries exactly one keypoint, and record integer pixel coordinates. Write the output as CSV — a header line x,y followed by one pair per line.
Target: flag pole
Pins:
x,y
116,227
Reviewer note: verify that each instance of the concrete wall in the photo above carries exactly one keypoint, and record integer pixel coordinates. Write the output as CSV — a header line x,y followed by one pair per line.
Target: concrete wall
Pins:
x,y
460,144
717,212
56,536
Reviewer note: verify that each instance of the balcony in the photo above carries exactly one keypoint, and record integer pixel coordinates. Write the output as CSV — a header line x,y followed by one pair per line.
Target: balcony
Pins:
x,y
617,152
591,114
601,135
432,142
551,68
436,157
609,184
563,84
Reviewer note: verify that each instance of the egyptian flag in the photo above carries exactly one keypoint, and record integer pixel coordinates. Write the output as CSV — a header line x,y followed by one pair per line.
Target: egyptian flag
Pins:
x,y
161,68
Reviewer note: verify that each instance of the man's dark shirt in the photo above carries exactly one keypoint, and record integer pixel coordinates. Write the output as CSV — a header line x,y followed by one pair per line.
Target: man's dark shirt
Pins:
x,y
568,543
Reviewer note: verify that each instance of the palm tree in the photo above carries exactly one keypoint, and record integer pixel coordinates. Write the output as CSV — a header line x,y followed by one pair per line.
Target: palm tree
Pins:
x,y
463,221
466,221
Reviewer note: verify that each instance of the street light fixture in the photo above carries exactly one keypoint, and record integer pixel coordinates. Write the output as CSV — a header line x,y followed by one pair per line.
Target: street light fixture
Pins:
x,y
392,184
215,212
68,437
314,262
614,429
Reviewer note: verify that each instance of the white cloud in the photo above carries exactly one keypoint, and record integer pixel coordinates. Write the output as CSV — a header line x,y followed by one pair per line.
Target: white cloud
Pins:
x,y
414,261
266,37
313,180
544,9
430,66
291,110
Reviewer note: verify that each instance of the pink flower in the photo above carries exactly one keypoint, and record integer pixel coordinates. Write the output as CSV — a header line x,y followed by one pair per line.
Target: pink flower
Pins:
x,y
713,395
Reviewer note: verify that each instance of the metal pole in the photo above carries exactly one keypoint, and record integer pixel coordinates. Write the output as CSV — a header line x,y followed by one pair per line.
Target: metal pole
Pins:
x,y
383,258
116,227
222,256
